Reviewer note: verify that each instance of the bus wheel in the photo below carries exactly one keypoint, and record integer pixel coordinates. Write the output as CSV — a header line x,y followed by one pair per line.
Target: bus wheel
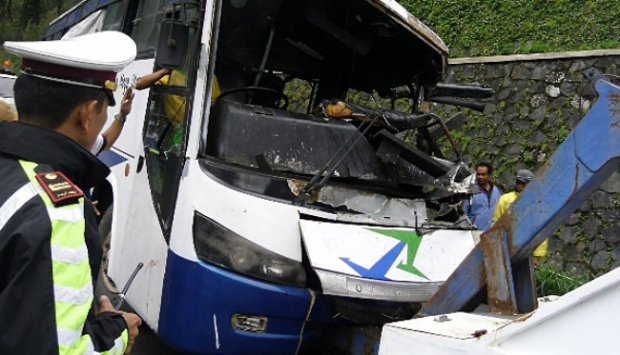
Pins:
x,y
105,230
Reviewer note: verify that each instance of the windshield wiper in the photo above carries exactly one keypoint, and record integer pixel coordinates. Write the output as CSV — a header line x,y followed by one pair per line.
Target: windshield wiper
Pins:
x,y
325,173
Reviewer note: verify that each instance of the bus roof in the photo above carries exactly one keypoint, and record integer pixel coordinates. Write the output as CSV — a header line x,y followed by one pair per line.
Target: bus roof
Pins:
x,y
417,27
394,9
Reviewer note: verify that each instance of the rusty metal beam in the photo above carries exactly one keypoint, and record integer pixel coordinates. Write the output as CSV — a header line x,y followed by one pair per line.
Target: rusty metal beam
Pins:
x,y
580,165
500,285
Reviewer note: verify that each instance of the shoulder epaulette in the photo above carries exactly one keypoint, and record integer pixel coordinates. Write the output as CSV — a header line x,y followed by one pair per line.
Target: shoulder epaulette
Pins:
x,y
59,188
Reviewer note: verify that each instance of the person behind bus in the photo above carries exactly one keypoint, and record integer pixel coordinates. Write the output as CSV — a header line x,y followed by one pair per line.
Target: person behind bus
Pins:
x,y
173,105
523,178
479,207
50,249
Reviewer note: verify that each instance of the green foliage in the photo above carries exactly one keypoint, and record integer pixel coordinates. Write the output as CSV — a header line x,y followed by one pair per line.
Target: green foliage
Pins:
x,y
27,20
552,281
563,132
482,27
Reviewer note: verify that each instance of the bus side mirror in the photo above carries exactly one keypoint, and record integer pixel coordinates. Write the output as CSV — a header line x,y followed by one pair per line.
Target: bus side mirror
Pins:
x,y
172,45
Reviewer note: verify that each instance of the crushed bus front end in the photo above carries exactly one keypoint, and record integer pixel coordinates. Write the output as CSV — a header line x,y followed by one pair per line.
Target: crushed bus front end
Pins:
x,y
343,199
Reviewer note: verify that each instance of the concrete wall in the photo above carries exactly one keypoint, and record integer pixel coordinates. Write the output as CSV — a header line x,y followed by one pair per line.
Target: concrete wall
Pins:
x,y
538,100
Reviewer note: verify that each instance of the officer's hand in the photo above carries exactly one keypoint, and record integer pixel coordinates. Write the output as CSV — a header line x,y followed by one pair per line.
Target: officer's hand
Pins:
x,y
132,320
133,324
127,101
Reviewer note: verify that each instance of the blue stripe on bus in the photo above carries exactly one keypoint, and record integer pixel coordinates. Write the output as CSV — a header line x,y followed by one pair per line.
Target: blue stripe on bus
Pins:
x,y
199,300
111,158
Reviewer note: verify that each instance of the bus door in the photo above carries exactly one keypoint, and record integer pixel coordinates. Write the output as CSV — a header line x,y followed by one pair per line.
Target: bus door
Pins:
x,y
147,231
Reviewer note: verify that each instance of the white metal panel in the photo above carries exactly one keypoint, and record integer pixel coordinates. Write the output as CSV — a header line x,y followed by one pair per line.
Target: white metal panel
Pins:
x,y
272,225
136,235
130,140
202,95
142,241
331,245
583,321
442,251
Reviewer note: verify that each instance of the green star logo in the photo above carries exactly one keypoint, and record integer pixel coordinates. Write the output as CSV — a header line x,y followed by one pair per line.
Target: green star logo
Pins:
x,y
409,238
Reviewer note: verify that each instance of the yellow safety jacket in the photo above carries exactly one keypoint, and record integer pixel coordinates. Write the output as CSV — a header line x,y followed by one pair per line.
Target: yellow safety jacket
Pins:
x,y
49,248
502,206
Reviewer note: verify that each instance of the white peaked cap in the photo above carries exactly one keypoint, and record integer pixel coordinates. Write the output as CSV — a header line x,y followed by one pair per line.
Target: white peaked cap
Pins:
x,y
102,51
91,60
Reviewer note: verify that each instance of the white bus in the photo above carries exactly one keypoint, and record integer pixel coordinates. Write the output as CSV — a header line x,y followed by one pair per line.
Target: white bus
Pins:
x,y
266,184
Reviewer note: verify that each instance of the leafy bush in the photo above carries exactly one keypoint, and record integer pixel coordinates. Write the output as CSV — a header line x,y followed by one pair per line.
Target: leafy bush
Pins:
x,y
552,281
482,27
27,20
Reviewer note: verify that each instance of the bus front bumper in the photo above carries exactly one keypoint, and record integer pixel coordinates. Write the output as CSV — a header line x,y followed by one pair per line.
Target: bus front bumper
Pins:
x,y
205,309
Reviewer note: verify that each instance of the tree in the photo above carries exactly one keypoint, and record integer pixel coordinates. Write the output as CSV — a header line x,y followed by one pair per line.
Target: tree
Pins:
x,y
31,12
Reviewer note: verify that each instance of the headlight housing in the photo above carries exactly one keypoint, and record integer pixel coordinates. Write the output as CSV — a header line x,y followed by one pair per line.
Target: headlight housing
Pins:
x,y
219,245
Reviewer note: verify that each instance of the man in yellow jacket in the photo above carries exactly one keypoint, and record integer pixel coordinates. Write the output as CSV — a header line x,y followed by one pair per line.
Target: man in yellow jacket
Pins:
x,y
523,178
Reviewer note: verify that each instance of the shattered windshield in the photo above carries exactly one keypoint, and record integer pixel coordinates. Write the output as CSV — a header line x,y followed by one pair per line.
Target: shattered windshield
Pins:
x,y
331,92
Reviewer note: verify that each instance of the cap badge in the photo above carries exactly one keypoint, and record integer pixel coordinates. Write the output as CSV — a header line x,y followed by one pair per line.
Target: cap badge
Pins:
x,y
110,85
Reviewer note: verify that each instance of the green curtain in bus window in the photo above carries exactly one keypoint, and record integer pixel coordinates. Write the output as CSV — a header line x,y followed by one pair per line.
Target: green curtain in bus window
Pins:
x,y
147,24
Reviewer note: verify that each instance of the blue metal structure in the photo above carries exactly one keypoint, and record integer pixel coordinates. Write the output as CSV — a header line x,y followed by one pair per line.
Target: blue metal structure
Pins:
x,y
580,165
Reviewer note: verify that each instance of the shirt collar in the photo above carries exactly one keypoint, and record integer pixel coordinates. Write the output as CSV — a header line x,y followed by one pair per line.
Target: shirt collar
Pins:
x,y
478,189
45,146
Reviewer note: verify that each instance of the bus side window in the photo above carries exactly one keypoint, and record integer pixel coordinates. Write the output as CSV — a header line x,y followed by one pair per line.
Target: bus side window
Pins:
x,y
146,26
165,127
113,18
164,133
90,24
108,18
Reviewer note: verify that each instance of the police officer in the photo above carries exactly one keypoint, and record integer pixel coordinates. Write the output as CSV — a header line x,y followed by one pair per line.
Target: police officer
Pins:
x,y
50,249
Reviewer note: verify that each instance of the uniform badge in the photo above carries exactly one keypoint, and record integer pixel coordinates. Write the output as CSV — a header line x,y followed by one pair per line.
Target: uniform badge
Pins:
x,y
59,188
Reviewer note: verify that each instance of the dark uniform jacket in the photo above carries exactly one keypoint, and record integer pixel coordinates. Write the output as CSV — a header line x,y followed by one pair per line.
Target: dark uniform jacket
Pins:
x,y
27,315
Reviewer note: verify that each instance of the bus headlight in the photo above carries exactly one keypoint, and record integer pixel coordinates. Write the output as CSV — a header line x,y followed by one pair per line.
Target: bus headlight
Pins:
x,y
219,245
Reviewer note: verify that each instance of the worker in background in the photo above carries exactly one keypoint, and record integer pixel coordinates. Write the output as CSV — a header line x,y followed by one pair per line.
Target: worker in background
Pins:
x,y
6,112
6,67
523,178
50,249
480,205
174,105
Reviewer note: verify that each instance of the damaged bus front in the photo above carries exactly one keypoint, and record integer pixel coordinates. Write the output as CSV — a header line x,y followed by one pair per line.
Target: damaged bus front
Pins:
x,y
311,105
285,174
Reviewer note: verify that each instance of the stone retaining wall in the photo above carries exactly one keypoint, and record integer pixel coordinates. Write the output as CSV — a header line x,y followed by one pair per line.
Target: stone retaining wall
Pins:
x,y
538,100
